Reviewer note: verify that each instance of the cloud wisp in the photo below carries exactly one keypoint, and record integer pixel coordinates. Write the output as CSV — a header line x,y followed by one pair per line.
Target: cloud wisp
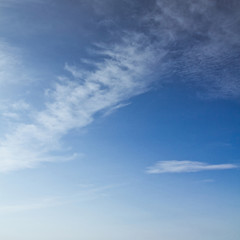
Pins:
x,y
174,166
10,63
74,102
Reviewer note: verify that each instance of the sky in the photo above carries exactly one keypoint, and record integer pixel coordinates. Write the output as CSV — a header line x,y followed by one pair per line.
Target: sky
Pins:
x,y
119,119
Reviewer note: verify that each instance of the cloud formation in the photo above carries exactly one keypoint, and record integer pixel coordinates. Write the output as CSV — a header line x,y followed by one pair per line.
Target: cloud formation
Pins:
x,y
203,42
197,42
175,166
74,102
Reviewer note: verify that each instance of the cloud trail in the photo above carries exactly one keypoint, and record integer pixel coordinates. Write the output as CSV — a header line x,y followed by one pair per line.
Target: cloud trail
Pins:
x,y
73,103
174,166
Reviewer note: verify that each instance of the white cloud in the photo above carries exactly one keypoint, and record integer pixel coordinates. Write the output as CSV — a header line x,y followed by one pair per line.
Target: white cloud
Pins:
x,y
73,103
14,110
174,166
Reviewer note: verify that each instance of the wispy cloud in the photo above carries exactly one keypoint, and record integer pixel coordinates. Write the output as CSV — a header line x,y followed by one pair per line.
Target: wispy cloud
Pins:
x,y
74,102
14,110
186,166
200,40
9,63
14,75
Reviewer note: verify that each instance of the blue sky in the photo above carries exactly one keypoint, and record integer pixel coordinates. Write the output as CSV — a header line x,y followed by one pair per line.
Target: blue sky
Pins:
x,y
119,120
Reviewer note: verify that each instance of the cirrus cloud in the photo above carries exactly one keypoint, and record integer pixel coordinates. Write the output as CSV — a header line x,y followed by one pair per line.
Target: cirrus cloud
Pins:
x,y
175,166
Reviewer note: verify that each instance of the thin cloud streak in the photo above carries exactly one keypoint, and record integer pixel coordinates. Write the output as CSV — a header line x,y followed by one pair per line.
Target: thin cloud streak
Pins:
x,y
174,166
